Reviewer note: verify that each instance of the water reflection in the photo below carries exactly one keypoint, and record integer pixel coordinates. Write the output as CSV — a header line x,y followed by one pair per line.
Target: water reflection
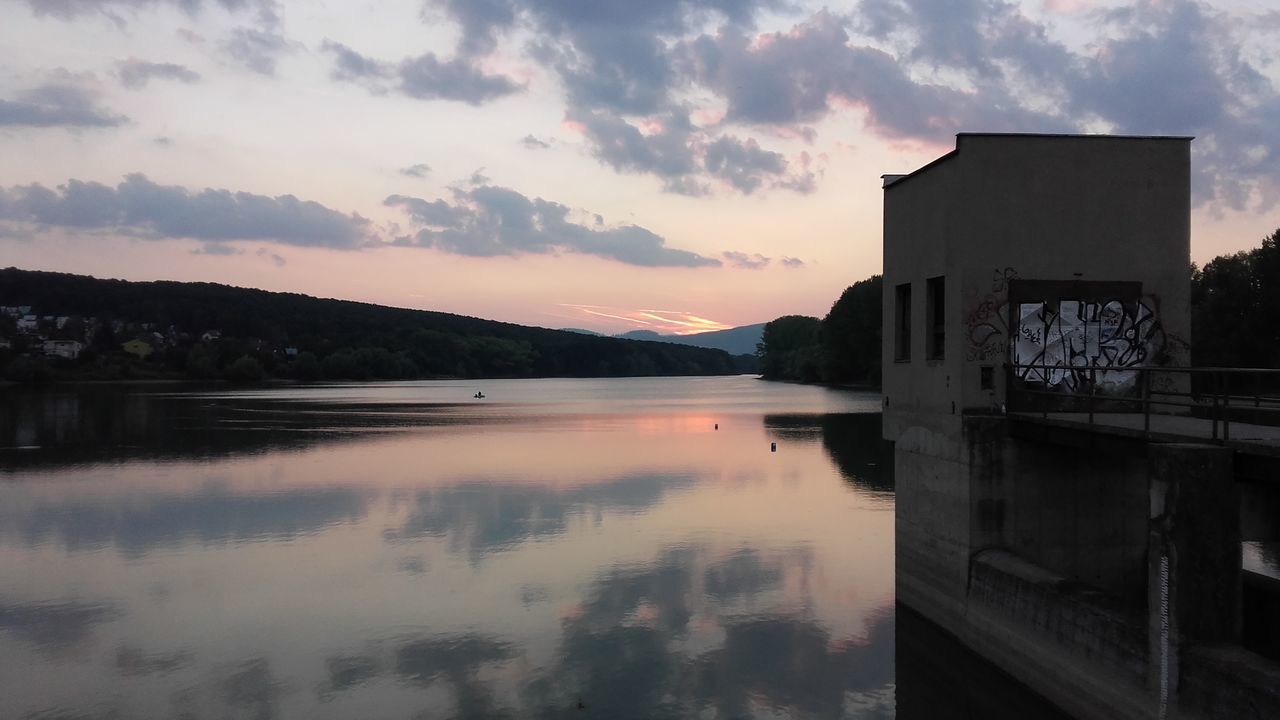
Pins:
x,y
658,639
851,440
480,518
137,524
593,549
940,679
55,627
134,661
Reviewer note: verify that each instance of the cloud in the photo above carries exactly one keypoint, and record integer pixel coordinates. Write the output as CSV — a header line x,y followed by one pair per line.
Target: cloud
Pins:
x,y
420,170
685,157
275,259
532,143
67,101
792,262
481,21
217,249
610,55
424,77
488,221
666,152
135,73
1178,68
800,76
351,66
428,78
745,166
743,260
1174,67
257,49
142,208
70,9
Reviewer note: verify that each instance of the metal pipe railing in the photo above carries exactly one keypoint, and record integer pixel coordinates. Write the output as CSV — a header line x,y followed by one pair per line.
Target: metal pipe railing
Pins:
x,y
1204,391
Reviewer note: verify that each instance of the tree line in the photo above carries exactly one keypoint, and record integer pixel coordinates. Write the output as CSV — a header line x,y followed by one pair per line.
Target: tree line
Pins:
x,y
843,347
207,330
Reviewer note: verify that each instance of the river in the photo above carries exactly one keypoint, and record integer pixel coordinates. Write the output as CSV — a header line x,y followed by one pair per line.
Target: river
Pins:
x,y
647,548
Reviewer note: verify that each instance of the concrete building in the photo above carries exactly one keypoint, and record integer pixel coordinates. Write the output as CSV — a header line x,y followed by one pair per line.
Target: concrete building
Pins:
x,y
1061,221
66,349
1037,272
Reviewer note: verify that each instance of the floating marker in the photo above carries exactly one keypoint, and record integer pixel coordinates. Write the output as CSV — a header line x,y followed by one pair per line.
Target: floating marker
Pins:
x,y
717,426
773,447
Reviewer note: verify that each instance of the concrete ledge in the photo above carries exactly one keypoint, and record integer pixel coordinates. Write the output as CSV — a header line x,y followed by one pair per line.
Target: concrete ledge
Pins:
x,y
1060,638
1081,620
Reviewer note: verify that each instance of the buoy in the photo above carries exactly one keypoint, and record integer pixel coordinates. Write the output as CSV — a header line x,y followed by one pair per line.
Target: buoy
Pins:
x,y
773,447
717,426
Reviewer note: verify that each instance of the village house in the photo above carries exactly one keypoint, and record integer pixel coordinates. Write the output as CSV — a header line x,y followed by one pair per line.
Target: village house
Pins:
x,y
138,348
66,349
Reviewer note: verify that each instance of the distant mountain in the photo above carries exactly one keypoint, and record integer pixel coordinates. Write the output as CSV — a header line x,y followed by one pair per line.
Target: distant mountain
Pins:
x,y
645,335
735,341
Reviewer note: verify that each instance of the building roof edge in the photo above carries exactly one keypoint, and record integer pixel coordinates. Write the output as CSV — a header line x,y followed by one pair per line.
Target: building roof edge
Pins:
x,y
899,178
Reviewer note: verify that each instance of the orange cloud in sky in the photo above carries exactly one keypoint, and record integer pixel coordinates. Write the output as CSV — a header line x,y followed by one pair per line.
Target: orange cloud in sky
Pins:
x,y
673,322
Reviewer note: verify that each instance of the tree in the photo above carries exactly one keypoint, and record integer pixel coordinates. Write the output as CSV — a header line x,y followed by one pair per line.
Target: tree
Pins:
x,y
851,335
1235,308
201,362
246,368
790,349
306,367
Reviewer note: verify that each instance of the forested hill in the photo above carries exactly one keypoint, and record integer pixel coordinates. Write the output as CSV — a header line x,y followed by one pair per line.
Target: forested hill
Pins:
x,y
142,329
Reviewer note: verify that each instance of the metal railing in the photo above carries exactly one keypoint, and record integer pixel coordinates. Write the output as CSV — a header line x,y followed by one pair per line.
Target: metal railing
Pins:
x,y
1251,395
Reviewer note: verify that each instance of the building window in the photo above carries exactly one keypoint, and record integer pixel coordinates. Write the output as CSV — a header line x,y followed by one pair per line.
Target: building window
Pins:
x,y
902,323
936,304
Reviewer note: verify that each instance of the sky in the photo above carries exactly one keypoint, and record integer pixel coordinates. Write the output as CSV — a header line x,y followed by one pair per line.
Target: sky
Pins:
x,y
669,165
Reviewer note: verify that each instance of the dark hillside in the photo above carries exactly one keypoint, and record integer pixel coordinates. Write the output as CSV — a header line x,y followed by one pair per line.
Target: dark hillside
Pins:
x,y
283,332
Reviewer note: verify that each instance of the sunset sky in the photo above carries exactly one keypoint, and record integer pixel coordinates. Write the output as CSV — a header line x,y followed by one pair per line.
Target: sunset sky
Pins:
x,y
606,164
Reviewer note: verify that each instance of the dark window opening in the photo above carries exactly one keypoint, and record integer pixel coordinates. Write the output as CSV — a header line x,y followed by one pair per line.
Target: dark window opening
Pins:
x,y
902,322
988,376
936,303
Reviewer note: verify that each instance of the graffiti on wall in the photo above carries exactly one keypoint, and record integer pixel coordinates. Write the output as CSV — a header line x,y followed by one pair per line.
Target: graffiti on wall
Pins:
x,y
1055,346
986,325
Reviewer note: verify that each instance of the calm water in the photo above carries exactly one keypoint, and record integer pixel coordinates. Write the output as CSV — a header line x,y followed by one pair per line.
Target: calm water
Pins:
x,y
563,548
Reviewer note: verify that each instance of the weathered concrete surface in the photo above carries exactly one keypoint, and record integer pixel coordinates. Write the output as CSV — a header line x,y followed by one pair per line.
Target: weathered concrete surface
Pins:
x,y
1195,525
1041,207
1081,514
1105,579
958,511
1077,646
1089,576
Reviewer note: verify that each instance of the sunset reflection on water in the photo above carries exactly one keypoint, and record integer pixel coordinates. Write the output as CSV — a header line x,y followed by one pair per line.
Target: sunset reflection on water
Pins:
x,y
516,559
